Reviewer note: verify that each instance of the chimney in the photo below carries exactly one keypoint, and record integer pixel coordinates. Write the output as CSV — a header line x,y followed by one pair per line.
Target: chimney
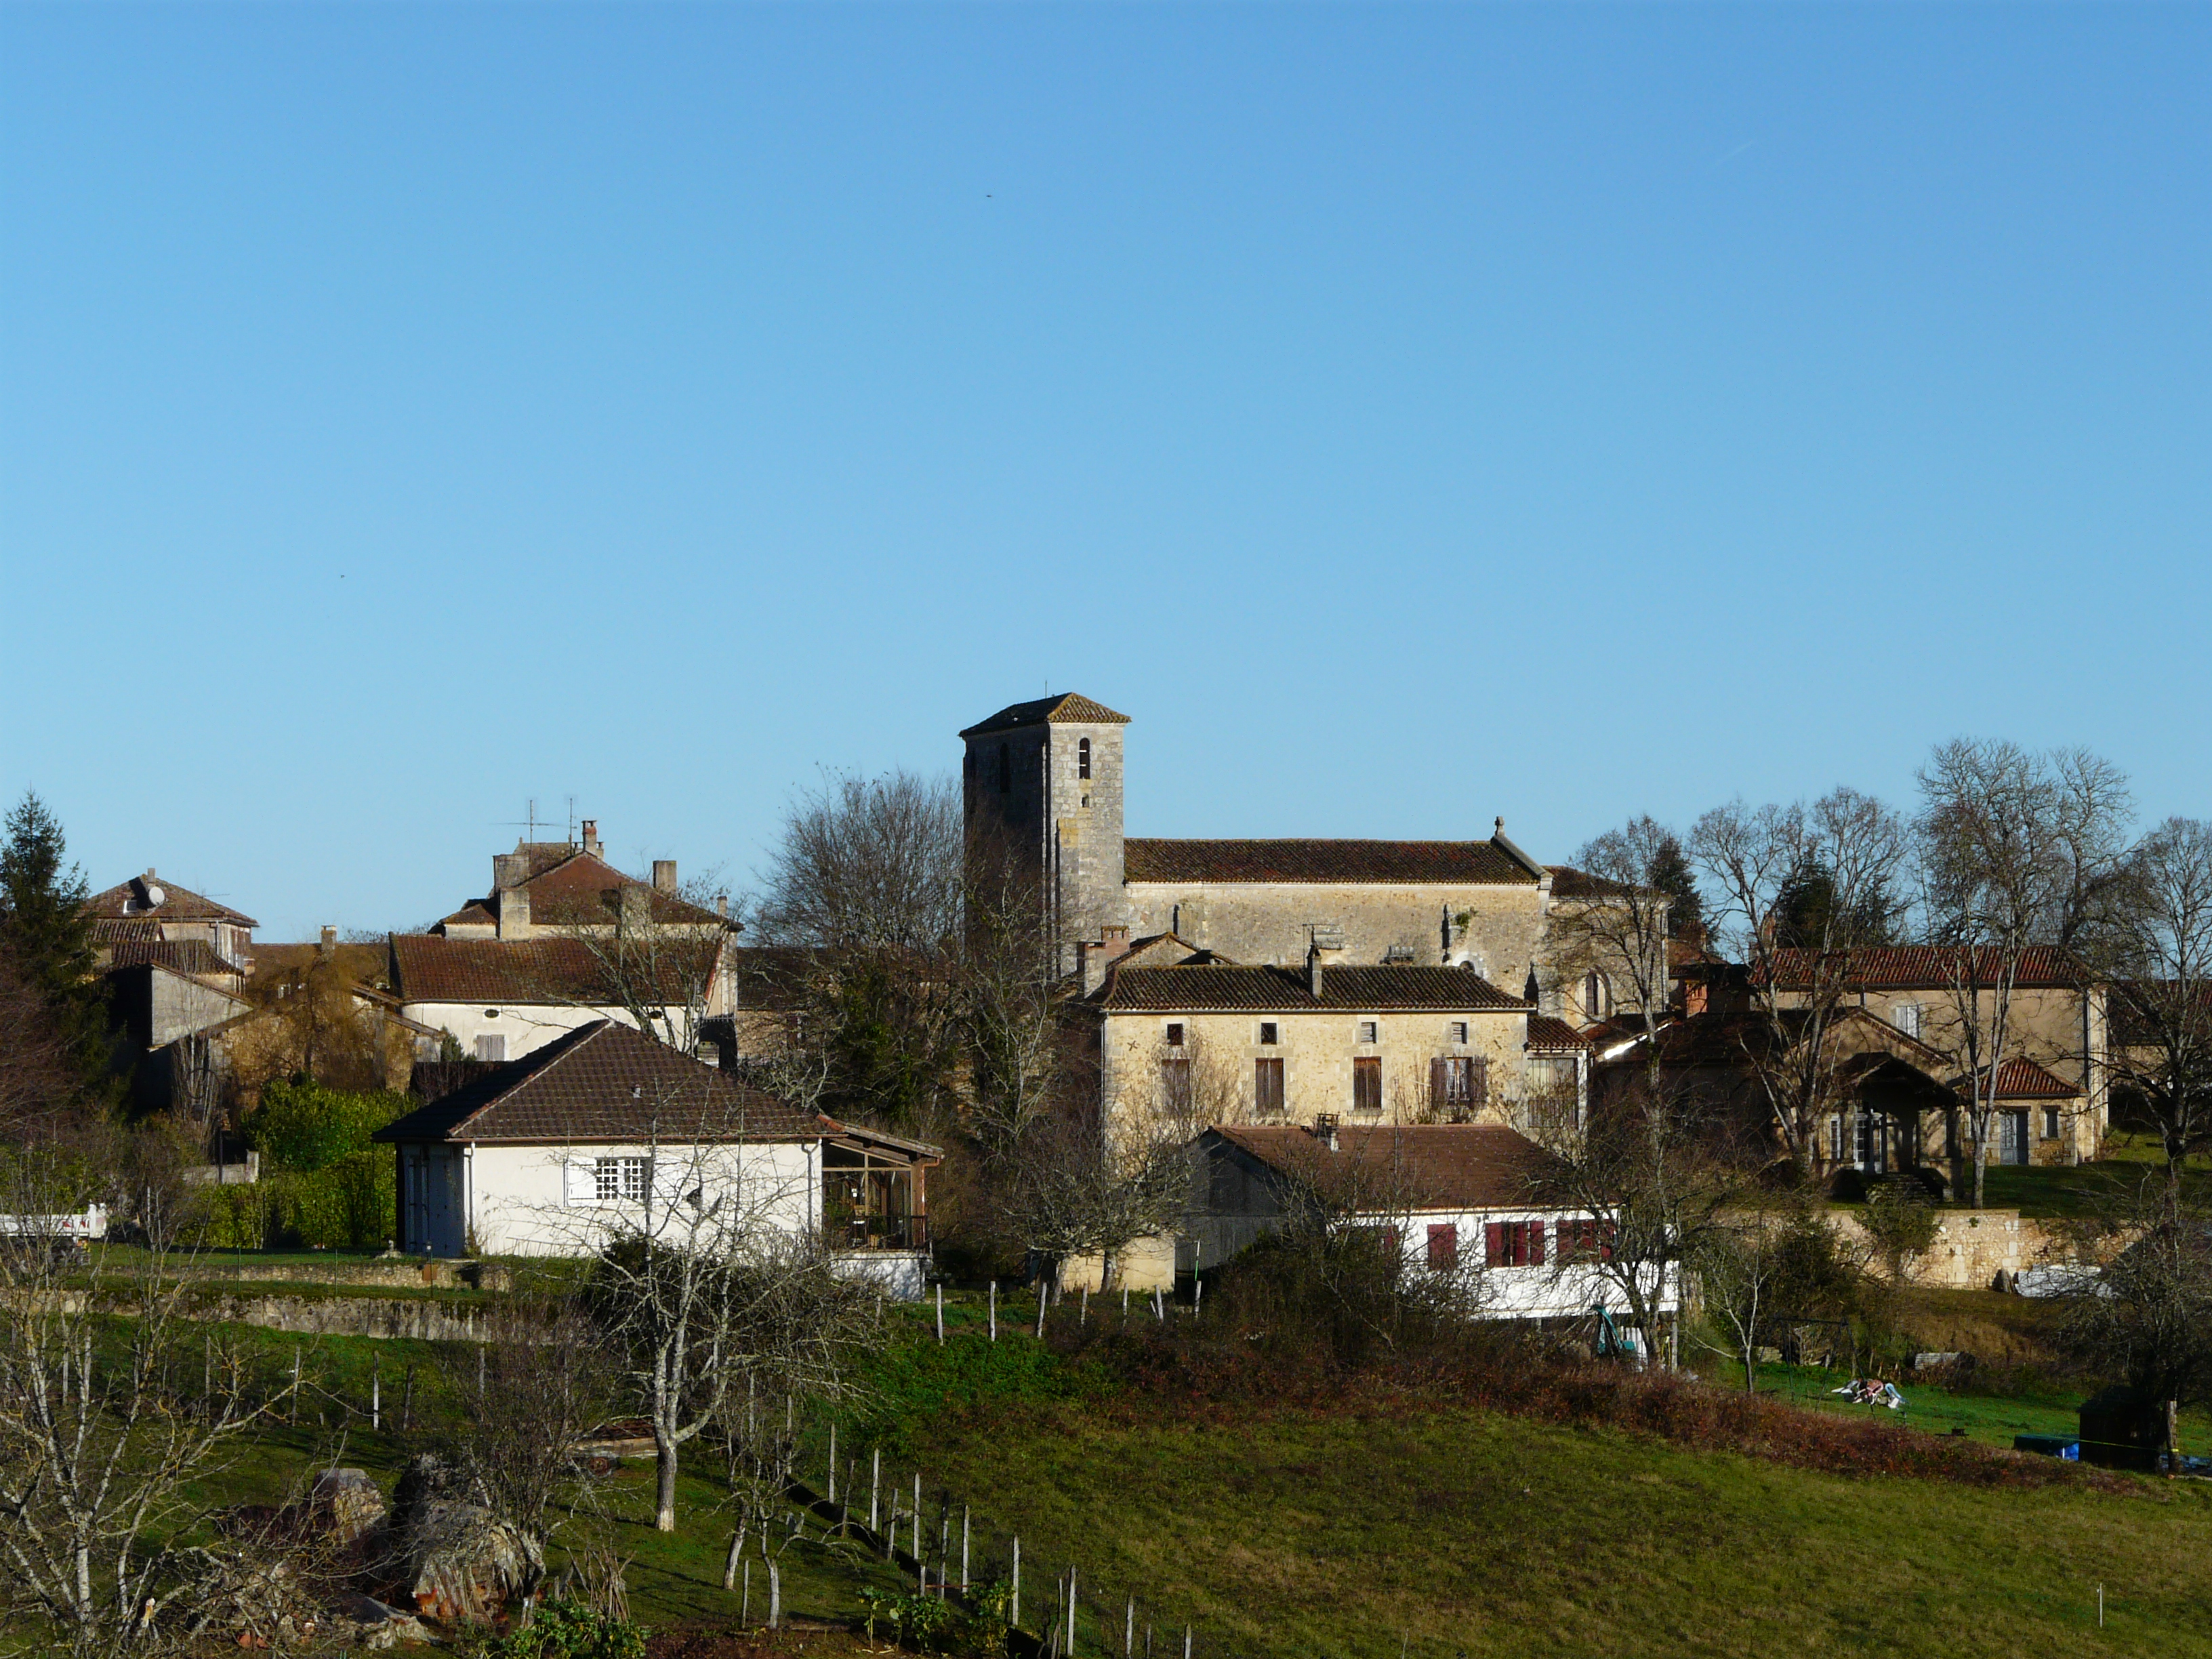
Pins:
x,y
1324,1129
722,906
635,908
592,837
1313,970
664,874
1092,959
509,869
1326,947
514,912
329,945
1696,995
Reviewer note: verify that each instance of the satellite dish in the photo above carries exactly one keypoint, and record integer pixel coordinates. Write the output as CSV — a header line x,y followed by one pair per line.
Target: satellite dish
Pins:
x,y
155,898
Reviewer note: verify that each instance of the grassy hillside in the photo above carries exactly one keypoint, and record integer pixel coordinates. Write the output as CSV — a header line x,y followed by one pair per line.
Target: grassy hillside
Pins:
x,y
1450,1531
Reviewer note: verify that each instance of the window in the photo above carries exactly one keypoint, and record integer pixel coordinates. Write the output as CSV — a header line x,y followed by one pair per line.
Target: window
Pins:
x,y
1452,1080
1586,1240
1906,1017
2051,1123
1368,1030
619,1179
1593,995
1444,1248
1268,1088
1174,1033
1175,1085
1458,1030
1836,1139
1513,1244
1367,1084
492,1048
1083,758
1268,1034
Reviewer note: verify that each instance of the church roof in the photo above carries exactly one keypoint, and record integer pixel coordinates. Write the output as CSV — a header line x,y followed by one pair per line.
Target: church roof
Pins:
x,y
1333,863
1069,708
1206,988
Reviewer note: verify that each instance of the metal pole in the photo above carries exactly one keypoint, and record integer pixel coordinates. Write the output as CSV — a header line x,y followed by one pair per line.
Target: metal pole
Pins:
x,y
376,1397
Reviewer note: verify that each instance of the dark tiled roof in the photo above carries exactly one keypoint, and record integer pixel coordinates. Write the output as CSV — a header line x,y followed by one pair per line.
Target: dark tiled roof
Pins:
x,y
1069,708
1217,986
605,1083
1568,883
178,904
113,929
1338,863
360,965
475,914
565,971
1546,1032
1918,967
1475,1166
179,956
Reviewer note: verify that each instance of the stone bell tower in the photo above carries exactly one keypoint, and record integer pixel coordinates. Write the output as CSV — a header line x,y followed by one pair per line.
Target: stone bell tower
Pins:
x,y
1042,788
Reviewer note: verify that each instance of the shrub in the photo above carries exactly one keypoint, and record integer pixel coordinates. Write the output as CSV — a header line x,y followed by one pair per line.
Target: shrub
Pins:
x,y
303,1126
569,1630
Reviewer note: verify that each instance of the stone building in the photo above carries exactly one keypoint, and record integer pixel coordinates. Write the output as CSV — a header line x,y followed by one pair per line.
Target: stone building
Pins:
x,y
561,889
1042,783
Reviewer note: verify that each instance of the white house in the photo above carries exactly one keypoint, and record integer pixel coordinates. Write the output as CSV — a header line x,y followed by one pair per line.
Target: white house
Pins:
x,y
603,1129
501,1000
1457,1196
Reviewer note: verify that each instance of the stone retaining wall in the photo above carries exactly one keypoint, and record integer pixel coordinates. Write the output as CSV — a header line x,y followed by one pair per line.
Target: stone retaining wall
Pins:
x,y
1973,1247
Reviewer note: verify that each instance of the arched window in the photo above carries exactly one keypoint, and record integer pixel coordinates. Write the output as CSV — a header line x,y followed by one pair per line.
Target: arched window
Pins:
x,y
1006,771
1083,758
1593,996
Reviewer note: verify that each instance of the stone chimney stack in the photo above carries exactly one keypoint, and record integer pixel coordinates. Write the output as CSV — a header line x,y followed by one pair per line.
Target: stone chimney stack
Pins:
x,y
636,909
1092,958
509,869
592,837
664,874
514,912
328,946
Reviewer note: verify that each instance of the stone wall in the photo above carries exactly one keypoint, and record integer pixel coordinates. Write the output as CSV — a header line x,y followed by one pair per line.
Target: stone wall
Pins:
x,y
1269,921
1973,1247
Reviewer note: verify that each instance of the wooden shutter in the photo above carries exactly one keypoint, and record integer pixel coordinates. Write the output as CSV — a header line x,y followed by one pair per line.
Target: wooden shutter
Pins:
x,y
1443,1247
1493,1244
1439,1081
582,1182
1268,1087
1477,1081
1367,1084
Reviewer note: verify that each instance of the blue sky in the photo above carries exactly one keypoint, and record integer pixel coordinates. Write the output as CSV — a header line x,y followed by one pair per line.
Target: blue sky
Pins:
x,y
1407,416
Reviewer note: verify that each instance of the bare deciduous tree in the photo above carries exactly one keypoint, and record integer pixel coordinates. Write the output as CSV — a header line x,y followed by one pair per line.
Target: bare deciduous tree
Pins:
x,y
2017,849
103,1432
1847,847
2153,951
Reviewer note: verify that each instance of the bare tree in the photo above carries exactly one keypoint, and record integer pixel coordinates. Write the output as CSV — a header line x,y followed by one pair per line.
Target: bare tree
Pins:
x,y
547,1369
1615,922
1075,1186
39,1080
661,960
1846,848
865,891
2153,951
2017,849
103,1434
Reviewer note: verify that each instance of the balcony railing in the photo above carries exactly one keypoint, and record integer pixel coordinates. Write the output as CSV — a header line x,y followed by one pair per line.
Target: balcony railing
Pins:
x,y
880,1232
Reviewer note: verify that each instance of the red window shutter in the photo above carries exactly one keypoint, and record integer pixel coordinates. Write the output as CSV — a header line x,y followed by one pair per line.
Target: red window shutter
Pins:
x,y
1443,1247
1535,1243
1493,1244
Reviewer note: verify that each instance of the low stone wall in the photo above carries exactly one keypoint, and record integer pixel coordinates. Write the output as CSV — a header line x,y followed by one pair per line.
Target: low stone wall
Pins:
x,y
1973,1247
422,1318
404,1272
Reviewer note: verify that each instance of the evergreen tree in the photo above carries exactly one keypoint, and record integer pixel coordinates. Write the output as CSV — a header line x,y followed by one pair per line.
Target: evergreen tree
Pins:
x,y
1669,873
42,923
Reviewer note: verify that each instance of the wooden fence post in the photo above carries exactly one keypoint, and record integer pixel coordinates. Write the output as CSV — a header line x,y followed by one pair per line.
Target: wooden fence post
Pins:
x,y
376,1396
994,1310
1014,1602
963,1549
917,1515
296,1382
940,1310
832,1493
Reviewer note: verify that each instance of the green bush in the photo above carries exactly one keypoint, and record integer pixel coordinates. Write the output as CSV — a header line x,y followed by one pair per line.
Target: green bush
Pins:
x,y
349,1206
230,1217
569,1630
303,1126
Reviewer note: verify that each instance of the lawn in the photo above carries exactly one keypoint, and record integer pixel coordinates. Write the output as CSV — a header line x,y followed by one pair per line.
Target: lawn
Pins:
x,y
2103,1187
1456,1531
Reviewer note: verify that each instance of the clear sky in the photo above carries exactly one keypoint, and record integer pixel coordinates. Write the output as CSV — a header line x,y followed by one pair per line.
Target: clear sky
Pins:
x,y
1407,416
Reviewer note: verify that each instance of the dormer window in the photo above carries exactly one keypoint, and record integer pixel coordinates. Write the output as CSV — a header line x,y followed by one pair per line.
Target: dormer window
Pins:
x,y
1083,758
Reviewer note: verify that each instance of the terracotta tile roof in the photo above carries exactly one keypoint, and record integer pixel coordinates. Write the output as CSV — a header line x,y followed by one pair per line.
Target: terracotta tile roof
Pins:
x,y
583,890
178,903
1555,1034
1216,987
363,966
1919,968
109,930
1445,1166
1337,863
1069,708
2020,1079
561,971
475,914
193,956
605,1083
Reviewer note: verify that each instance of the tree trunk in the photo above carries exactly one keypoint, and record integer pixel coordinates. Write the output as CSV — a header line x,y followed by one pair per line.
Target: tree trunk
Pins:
x,y
664,1456
730,1564
774,1595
